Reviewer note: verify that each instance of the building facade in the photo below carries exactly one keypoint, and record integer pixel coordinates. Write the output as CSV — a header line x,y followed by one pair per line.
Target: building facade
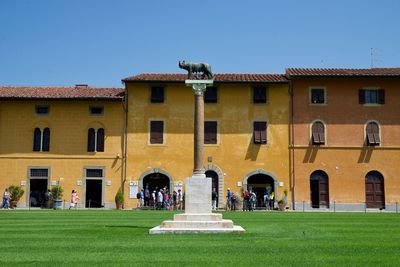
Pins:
x,y
246,133
345,138
329,137
71,136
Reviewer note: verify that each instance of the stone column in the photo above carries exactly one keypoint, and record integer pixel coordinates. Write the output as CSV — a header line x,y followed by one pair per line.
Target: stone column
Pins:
x,y
199,90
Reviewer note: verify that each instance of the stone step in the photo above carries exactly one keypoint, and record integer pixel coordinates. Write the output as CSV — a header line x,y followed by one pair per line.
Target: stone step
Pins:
x,y
223,224
198,217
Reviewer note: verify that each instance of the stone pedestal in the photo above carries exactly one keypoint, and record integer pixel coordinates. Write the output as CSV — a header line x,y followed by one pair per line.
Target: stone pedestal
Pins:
x,y
197,217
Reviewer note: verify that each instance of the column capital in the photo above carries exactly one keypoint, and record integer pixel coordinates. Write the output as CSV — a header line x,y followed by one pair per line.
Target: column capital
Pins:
x,y
199,86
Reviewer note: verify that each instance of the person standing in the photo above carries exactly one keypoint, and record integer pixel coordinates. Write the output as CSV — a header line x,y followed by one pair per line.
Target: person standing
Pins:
x,y
271,200
180,199
246,197
214,197
6,199
228,199
146,196
74,199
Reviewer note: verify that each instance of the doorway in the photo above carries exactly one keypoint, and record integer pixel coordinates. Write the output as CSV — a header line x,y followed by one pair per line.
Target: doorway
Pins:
x,y
214,182
259,184
156,181
319,189
94,193
37,188
374,190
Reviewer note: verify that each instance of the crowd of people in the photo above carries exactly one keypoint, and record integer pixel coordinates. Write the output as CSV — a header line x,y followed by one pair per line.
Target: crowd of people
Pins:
x,y
160,199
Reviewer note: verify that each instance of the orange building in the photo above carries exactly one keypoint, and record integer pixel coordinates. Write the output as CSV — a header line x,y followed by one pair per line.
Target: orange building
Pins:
x,y
345,138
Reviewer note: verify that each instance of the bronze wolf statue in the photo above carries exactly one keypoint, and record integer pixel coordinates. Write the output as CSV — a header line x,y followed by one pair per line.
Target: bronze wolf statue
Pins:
x,y
199,70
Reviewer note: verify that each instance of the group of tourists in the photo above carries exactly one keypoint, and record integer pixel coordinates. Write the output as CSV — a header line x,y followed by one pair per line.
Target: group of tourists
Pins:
x,y
250,200
160,199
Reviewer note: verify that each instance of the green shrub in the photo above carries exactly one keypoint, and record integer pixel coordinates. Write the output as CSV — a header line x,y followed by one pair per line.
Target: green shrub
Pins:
x,y
119,197
16,192
57,192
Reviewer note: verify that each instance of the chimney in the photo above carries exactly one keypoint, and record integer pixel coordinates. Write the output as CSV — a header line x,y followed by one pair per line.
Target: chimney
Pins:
x,y
81,86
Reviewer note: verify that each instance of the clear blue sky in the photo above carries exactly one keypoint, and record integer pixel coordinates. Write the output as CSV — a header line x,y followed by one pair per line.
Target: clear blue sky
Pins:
x,y
99,42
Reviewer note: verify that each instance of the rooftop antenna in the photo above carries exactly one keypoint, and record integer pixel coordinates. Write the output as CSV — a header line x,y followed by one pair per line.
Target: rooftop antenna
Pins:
x,y
375,57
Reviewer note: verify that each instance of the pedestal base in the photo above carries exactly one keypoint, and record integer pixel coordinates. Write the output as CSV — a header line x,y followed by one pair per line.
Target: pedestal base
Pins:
x,y
197,217
196,223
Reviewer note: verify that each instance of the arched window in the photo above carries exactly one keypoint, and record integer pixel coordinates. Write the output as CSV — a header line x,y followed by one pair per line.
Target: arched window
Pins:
x,y
372,134
41,139
96,140
318,133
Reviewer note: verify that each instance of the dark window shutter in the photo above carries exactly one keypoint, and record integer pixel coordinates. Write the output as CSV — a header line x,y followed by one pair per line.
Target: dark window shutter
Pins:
x,y
210,132
37,136
318,133
259,95
157,94
381,96
259,132
100,140
315,134
156,132
91,140
211,95
372,132
361,96
46,139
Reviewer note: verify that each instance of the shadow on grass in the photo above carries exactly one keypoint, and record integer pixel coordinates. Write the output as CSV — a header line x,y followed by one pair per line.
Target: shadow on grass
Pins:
x,y
127,226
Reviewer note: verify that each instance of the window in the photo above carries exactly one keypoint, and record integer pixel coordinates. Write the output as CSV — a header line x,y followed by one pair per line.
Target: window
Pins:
x,y
210,132
211,95
372,134
260,132
259,95
157,95
156,132
38,173
96,140
318,133
92,172
371,96
96,111
41,140
317,96
42,110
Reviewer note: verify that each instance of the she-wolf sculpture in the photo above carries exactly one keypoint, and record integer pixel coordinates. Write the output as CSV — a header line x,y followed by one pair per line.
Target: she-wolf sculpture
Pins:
x,y
199,70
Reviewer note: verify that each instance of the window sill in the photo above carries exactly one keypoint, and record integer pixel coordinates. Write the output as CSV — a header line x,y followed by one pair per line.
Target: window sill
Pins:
x,y
372,105
317,104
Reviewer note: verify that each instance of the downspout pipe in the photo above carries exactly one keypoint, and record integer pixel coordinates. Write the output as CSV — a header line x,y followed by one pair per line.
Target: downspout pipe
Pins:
x,y
291,144
125,137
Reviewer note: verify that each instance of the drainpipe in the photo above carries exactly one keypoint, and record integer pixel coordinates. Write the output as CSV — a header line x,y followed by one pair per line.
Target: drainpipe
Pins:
x,y
125,138
291,144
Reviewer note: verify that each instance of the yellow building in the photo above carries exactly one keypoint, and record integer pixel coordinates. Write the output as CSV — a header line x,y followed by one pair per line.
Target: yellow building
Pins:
x,y
62,135
246,133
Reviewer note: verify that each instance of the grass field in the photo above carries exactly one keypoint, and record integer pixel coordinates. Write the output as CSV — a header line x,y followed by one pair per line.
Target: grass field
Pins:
x,y
120,238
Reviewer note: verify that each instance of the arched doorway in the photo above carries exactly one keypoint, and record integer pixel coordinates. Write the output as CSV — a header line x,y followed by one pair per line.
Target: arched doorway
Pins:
x,y
214,183
374,190
156,181
259,183
319,189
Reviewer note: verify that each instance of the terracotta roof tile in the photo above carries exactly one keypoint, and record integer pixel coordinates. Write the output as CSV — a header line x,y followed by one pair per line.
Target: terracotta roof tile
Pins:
x,y
306,72
78,92
223,77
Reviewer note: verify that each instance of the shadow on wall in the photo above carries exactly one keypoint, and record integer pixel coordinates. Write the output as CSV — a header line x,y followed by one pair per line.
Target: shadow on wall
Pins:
x,y
365,155
252,151
311,154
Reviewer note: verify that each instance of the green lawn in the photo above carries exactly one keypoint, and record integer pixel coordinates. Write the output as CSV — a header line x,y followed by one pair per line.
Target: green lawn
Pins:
x,y
120,238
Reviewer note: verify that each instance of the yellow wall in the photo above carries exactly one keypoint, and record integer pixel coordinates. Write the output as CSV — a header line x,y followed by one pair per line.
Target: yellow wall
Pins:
x,y
235,154
69,122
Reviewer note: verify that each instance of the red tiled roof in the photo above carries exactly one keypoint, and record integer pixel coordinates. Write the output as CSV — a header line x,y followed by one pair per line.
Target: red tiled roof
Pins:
x,y
78,92
305,72
223,77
